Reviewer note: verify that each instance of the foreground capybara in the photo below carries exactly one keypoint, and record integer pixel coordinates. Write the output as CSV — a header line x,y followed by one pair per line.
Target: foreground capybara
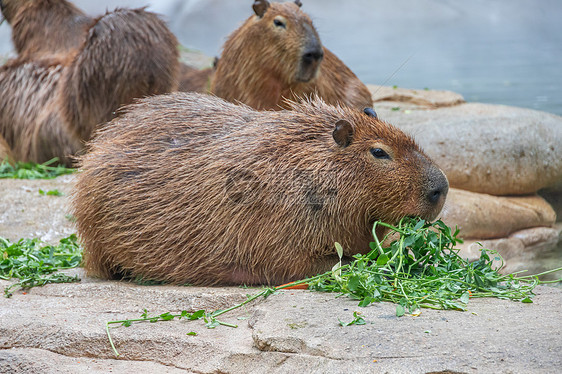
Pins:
x,y
50,106
45,27
188,188
276,55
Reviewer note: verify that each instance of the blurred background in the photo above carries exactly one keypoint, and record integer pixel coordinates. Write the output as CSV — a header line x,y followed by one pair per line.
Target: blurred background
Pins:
x,y
501,52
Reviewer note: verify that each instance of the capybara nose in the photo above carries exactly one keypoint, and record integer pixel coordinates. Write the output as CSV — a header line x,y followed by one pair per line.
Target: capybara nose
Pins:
x,y
438,187
434,195
313,55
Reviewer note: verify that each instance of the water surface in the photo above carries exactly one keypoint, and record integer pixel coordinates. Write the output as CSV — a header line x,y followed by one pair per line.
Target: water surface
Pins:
x,y
502,52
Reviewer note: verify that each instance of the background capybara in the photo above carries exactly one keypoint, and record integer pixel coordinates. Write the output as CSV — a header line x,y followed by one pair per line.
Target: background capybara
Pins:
x,y
195,80
189,188
50,106
55,28
45,27
277,54
5,151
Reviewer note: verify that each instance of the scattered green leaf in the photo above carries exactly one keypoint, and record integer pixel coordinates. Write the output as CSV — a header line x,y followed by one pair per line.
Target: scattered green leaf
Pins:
x,y
357,320
30,170
50,193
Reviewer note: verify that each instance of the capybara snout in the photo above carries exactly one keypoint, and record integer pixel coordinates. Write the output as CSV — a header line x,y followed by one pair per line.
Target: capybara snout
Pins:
x,y
312,55
437,188
224,194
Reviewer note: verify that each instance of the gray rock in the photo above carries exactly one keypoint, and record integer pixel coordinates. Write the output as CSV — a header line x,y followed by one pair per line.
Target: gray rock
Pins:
x,y
24,213
492,149
289,332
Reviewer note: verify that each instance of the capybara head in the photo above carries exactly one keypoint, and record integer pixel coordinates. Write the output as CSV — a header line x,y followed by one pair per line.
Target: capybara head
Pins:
x,y
286,35
45,27
223,194
277,55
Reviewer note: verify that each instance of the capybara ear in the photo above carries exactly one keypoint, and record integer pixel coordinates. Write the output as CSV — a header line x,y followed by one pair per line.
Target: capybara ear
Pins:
x,y
260,6
343,133
370,112
298,2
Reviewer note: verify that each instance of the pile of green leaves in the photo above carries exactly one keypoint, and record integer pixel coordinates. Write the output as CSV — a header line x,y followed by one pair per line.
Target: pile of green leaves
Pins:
x,y
30,170
35,263
422,269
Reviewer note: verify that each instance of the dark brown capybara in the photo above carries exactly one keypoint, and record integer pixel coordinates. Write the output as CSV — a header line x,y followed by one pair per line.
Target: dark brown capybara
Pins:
x,y
188,188
276,55
50,106
45,27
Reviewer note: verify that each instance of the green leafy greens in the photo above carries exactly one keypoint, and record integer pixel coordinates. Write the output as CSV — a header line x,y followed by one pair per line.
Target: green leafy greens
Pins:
x,y
31,170
35,263
422,269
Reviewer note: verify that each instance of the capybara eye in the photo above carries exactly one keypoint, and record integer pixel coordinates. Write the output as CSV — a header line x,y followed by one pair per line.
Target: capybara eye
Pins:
x,y
279,23
380,154
370,112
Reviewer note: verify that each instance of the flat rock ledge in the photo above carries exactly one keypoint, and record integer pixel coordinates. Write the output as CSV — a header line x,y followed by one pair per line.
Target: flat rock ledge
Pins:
x,y
61,329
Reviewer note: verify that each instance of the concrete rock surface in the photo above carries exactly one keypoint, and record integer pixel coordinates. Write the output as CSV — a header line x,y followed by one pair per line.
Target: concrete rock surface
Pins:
x,y
493,149
61,328
486,216
25,213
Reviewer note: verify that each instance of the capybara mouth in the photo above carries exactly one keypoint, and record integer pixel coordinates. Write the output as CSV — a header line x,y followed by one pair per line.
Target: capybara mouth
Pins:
x,y
310,64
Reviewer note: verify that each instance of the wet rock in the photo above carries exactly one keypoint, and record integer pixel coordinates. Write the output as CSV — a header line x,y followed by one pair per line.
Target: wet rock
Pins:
x,y
486,216
494,149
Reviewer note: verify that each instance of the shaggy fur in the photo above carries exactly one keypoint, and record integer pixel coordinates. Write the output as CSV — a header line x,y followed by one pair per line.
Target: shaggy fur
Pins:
x,y
261,63
223,194
50,106
45,27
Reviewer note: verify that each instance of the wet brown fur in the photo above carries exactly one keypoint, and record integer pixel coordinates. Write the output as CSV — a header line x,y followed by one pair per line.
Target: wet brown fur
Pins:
x,y
55,28
45,27
49,106
224,194
259,63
